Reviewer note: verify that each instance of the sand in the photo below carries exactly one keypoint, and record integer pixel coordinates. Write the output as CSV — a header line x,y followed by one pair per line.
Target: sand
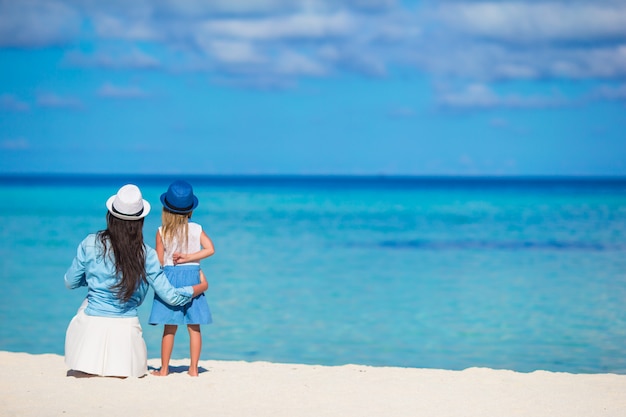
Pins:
x,y
38,385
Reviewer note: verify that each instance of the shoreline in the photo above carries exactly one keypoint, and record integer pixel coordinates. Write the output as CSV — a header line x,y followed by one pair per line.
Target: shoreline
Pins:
x,y
38,385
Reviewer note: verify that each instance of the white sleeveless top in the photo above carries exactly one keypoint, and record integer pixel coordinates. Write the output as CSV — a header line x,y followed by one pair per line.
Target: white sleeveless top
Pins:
x,y
193,245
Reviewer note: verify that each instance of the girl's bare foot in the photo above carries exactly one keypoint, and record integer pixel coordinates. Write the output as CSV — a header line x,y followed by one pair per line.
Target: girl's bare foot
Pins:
x,y
193,371
161,372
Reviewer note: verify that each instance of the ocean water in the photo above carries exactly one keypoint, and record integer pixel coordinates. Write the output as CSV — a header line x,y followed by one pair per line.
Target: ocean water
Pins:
x,y
520,274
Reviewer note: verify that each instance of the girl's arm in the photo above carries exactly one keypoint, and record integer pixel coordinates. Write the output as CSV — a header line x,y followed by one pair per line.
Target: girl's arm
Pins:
x,y
160,250
206,251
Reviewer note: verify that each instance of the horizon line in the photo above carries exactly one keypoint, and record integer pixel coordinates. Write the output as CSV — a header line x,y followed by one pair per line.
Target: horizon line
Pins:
x,y
303,175
50,177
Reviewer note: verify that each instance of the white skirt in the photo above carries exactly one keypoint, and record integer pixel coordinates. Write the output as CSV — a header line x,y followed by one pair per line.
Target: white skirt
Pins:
x,y
106,346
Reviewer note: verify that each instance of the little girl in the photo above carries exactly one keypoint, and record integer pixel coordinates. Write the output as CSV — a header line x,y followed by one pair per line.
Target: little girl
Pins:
x,y
180,245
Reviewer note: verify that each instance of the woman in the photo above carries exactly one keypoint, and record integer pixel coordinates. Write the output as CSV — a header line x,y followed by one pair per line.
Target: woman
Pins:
x,y
105,338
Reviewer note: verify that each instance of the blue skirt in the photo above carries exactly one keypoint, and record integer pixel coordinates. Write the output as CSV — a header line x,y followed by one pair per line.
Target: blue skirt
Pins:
x,y
195,312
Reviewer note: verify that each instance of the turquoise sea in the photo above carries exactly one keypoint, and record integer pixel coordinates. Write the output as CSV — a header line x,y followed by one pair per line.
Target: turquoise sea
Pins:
x,y
520,274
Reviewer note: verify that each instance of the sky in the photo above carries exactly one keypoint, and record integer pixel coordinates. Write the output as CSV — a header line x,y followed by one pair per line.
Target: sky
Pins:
x,y
289,87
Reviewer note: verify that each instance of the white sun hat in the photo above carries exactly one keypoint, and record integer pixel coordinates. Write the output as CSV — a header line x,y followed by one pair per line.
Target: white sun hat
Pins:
x,y
128,204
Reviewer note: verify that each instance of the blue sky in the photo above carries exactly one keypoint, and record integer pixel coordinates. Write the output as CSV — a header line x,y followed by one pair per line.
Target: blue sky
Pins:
x,y
356,87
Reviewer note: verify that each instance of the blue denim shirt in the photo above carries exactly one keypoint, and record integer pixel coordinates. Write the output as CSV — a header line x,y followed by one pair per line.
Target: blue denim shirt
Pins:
x,y
89,268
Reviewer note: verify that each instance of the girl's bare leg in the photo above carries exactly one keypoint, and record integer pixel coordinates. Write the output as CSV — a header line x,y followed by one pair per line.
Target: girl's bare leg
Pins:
x,y
195,346
167,345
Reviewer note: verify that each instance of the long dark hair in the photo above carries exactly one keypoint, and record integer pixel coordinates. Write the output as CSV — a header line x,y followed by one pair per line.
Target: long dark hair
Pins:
x,y
125,239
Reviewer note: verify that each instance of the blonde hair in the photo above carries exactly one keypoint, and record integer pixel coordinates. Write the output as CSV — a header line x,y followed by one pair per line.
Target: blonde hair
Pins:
x,y
175,227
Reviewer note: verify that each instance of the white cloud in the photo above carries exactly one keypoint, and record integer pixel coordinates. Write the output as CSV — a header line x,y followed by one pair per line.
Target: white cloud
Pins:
x,y
291,63
600,62
611,92
402,112
297,26
9,102
491,62
481,96
264,41
33,23
126,27
233,51
115,59
512,40
360,60
109,90
258,82
526,22
475,95
55,101
15,144
499,122
191,9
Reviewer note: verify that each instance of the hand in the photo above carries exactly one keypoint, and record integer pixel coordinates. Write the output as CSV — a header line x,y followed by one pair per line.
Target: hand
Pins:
x,y
203,279
202,286
180,258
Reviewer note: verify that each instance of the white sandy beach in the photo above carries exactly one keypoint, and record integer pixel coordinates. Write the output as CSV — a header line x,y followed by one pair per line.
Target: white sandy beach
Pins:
x,y
38,385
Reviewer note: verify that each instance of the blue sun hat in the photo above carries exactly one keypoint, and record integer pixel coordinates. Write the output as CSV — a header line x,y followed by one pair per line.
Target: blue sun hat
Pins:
x,y
179,198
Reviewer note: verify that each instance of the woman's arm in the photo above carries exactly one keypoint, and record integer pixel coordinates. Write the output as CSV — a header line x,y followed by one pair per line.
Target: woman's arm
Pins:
x,y
171,295
206,251
75,276
202,287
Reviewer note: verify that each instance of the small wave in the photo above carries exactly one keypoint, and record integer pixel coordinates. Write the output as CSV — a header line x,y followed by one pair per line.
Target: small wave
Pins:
x,y
499,245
